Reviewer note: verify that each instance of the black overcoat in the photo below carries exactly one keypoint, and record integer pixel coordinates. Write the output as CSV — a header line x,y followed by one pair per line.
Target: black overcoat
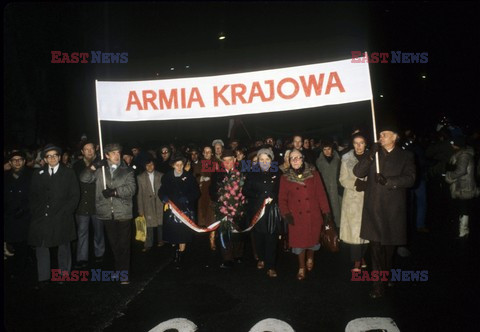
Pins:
x,y
384,217
53,201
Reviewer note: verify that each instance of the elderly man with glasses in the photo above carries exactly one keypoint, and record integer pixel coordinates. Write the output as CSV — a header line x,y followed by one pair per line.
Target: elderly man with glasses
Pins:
x,y
54,196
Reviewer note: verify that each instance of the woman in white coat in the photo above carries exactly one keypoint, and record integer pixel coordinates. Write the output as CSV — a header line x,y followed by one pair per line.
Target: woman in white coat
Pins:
x,y
352,203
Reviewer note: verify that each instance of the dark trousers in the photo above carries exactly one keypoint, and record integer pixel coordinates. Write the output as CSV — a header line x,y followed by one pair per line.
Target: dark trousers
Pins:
x,y
234,248
357,251
266,245
119,233
382,256
150,235
43,260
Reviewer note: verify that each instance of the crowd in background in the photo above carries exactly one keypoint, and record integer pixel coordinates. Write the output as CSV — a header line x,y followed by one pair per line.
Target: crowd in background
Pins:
x,y
173,172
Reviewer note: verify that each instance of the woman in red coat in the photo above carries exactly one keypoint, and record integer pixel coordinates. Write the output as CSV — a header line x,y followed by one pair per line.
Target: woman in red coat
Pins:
x,y
304,205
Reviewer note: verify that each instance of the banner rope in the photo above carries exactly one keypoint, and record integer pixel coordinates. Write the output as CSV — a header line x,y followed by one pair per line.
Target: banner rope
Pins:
x,y
193,226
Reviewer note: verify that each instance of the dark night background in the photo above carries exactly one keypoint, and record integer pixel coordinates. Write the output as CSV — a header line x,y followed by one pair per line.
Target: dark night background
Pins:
x,y
56,102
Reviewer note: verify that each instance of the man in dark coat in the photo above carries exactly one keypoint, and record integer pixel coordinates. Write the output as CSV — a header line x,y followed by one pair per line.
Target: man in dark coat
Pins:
x,y
384,211
16,213
54,196
86,211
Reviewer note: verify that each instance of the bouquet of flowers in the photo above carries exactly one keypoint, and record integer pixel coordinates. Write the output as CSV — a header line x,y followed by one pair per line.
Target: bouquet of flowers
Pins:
x,y
230,206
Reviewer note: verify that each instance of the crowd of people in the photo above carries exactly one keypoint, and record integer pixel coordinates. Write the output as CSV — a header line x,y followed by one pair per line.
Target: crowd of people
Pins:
x,y
373,192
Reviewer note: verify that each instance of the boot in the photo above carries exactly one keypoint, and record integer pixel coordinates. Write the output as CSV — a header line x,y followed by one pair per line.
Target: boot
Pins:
x,y
463,226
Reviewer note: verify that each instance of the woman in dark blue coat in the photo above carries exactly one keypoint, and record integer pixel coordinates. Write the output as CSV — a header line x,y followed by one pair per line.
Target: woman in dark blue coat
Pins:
x,y
181,188
260,185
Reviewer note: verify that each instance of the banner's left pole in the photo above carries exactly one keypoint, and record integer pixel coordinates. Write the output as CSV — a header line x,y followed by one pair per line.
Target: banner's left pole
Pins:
x,y
100,136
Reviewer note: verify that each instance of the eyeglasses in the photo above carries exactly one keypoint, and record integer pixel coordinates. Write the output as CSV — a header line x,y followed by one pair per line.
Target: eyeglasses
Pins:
x,y
51,156
296,158
164,152
17,160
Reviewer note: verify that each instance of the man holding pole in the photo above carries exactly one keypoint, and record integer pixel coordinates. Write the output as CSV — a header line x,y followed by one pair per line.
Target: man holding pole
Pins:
x,y
115,187
384,216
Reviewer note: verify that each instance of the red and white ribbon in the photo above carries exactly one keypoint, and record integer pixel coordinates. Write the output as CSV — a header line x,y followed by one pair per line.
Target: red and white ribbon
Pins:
x,y
193,226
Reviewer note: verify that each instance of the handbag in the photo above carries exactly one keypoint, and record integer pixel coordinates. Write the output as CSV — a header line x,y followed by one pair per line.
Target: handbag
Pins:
x,y
141,225
273,218
329,237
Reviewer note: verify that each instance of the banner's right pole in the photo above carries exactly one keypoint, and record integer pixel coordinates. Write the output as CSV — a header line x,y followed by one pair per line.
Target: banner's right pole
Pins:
x,y
377,164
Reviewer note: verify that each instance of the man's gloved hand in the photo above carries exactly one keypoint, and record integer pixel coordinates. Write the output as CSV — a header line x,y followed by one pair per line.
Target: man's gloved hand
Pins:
x,y
107,193
450,167
99,163
164,199
289,219
360,185
373,150
379,178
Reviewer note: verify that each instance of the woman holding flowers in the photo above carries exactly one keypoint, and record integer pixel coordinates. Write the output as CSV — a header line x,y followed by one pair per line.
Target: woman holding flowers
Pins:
x,y
226,192
304,205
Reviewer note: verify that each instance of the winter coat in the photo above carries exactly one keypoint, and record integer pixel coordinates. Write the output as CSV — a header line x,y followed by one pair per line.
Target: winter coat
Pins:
x,y
259,186
462,179
123,180
53,200
306,199
384,217
206,213
183,192
352,203
16,211
86,206
149,204
330,172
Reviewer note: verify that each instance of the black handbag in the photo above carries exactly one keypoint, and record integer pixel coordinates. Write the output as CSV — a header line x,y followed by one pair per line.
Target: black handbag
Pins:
x,y
273,218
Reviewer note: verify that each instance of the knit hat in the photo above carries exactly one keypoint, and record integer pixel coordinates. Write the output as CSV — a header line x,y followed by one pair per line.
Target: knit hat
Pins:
x,y
266,151
218,141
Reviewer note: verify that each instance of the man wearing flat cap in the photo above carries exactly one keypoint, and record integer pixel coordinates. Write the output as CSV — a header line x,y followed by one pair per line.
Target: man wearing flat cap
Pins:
x,y
54,197
114,204
384,217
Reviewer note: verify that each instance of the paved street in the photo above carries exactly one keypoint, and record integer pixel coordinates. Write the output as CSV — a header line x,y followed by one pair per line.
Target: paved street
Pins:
x,y
235,300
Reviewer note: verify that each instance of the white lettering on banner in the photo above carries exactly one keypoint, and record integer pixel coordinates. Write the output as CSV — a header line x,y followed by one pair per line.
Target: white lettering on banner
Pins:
x,y
237,94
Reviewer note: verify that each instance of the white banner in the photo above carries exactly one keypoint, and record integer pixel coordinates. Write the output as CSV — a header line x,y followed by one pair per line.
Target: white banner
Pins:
x,y
264,91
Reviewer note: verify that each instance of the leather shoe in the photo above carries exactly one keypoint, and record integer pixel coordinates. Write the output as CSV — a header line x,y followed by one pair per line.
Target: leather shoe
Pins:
x,y
301,274
42,285
272,273
226,265
99,259
376,293
81,265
